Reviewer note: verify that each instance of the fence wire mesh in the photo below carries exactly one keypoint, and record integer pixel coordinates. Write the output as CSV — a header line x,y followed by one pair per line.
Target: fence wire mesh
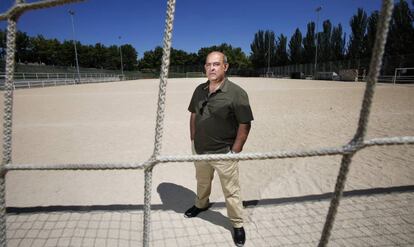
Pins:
x,y
365,220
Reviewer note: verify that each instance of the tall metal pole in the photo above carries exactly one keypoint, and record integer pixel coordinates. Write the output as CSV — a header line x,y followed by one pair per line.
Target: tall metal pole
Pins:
x,y
317,38
122,64
72,13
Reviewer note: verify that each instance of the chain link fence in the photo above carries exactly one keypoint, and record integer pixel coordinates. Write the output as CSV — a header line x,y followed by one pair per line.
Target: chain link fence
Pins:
x,y
305,71
389,64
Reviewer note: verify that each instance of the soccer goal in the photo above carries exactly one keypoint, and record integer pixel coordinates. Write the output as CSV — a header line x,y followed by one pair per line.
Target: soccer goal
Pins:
x,y
194,74
403,75
269,74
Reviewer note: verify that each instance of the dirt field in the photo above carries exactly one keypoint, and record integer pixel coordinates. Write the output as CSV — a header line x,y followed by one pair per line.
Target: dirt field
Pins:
x,y
114,122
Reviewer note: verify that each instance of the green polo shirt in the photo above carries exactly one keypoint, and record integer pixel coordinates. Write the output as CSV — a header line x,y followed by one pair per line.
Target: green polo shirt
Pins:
x,y
218,116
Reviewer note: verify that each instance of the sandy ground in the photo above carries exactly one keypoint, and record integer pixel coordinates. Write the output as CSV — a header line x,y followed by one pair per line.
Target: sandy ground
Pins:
x,y
114,122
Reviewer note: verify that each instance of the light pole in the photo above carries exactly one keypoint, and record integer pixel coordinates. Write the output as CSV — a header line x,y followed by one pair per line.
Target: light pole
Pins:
x,y
120,52
72,13
317,38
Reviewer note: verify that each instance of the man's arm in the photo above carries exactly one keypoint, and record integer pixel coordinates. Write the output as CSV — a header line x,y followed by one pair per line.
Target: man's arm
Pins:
x,y
192,125
241,137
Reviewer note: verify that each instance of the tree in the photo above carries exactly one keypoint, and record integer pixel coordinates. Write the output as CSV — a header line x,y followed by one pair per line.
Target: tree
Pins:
x,y
2,44
238,59
183,58
281,53
401,34
39,49
98,55
309,44
179,57
151,59
263,49
295,47
85,55
129,57
324,48
358,27
112,58
67,54
23,47
371,33
52,51
235,56
337,43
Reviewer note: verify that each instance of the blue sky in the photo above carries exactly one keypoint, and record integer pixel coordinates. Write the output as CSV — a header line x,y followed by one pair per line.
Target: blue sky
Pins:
x,y
197,23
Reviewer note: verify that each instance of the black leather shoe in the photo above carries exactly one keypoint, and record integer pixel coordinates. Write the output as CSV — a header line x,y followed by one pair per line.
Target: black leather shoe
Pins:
x,y
194,211
239,236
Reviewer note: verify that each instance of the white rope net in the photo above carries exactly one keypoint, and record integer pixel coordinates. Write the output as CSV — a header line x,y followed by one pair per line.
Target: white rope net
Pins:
x,y
347,151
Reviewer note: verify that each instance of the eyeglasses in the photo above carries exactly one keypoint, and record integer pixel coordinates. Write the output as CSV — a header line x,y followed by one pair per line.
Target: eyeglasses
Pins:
x,y
202,106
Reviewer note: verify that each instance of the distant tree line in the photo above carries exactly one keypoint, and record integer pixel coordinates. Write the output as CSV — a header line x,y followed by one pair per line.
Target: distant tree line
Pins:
x,y
235,56
266,47
332,45
39,50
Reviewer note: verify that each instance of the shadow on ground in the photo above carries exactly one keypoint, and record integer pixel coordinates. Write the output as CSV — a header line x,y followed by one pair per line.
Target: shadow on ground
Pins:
x,y
179,199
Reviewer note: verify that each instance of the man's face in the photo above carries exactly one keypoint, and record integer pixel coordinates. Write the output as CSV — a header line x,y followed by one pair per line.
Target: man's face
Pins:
x,y
215,67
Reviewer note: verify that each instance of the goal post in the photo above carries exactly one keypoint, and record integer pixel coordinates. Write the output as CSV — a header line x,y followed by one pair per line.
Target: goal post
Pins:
x,y
403,75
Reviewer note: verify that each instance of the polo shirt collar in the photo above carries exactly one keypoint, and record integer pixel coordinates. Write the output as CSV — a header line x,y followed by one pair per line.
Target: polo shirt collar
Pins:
x,y
223,87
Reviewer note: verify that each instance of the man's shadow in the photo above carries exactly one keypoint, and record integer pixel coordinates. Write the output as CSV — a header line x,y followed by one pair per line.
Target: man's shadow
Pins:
x,y
179,199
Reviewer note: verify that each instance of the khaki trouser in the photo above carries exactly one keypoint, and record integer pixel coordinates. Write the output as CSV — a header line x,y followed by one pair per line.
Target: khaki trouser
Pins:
x,y
228,172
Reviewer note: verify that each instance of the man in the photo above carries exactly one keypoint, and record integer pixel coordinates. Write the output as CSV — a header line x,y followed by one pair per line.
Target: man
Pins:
x,y
219,123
